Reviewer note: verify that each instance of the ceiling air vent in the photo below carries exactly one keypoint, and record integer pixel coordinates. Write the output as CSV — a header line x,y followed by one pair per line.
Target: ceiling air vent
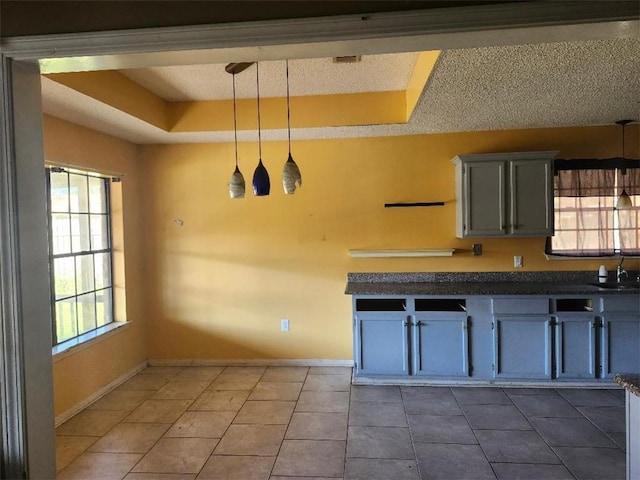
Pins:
x,y
347,59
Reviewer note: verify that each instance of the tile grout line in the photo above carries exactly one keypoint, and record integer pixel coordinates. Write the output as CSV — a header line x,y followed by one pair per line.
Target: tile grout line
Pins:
x,y
539,434
576,407
413,444
346,440
172,423
473,431
231,422
288,424
168,380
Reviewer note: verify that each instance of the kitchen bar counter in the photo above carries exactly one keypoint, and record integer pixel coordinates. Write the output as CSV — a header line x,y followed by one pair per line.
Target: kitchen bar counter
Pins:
x,y
629,381
493,327
480,288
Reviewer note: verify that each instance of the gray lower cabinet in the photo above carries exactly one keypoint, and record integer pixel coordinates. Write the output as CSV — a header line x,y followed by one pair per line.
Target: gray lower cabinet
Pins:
x,y
508,338
382,344
578,330
522,348
620,342
441,344
522,338
575,346
411,336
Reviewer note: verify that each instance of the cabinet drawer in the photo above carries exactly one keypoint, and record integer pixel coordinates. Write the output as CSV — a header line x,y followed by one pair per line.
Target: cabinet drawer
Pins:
x,y
526,305
621,303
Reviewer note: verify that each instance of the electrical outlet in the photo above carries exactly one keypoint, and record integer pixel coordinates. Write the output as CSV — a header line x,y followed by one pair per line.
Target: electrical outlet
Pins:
x,y
517,261
284,325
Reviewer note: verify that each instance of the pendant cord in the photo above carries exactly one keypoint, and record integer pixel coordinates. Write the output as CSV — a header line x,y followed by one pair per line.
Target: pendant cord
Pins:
x,y
259,136
288,110
235,122
624,170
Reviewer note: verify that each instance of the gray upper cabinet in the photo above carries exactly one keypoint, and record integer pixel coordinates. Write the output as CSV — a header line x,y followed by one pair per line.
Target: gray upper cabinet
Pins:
x,y
504,194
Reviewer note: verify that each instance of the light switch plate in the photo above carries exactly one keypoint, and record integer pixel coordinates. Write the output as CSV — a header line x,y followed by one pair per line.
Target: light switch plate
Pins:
x,y
517,261
284,325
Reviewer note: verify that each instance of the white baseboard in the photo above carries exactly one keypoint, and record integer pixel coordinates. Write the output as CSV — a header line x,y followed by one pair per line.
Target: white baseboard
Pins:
x,y
77,408
283,362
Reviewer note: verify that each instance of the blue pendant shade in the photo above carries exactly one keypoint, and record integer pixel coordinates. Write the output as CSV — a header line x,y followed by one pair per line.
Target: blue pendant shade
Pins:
x,y
291,177
261,183
236,184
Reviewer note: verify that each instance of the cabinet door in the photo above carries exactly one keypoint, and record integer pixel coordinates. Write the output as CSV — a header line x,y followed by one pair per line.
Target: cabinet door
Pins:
x,y
441,345
620,344
575,344
484,199
530,198
522,347
382,345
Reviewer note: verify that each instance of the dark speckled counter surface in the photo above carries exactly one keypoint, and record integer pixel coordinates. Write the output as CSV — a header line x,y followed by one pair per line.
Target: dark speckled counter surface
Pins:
x,y
630,381
478,283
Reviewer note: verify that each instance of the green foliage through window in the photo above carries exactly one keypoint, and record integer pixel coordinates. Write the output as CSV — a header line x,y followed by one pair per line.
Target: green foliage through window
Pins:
x,y
80,252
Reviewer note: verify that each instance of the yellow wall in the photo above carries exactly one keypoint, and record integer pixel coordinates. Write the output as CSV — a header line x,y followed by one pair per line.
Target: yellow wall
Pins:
x,y
219,284
80,373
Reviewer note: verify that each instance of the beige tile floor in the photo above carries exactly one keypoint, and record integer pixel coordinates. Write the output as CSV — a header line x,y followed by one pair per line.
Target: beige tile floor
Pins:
x,y
278,423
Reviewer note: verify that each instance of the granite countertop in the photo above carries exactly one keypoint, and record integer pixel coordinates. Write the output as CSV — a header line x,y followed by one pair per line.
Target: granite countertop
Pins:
x,y
630,381
482,283
475,288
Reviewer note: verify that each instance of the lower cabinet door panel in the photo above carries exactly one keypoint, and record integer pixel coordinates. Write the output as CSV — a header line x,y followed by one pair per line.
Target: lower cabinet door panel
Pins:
x,y
621,344
575,347
382,346
441,347
522,347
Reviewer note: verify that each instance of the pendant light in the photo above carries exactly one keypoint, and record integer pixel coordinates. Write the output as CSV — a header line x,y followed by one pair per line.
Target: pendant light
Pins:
x,y
261,183
291,177
236,184
624,201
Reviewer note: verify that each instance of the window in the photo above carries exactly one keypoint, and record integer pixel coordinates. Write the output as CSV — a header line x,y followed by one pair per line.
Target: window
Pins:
x,y
587,221
80,252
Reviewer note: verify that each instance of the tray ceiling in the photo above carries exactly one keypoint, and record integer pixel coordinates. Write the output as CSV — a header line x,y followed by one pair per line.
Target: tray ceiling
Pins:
x,y
491,88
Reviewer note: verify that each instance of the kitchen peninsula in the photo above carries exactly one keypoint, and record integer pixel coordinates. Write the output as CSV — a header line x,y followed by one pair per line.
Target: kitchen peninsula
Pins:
x,y
539,328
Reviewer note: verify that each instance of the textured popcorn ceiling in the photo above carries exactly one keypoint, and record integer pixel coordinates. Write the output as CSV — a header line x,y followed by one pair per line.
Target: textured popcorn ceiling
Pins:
x,y
493,88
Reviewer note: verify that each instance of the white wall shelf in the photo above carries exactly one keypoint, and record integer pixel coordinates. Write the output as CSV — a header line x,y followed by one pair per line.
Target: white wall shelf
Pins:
x,y
445,252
